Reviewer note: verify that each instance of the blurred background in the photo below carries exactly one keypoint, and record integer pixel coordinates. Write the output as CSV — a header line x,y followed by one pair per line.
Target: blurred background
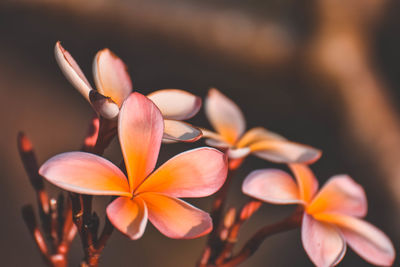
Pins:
x,y
323,73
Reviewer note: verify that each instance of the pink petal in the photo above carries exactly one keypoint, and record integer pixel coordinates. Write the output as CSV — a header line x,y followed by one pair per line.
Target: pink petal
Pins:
x,y
129,216
181,131
340,194
306,181
140,129
195,173
176,104
365,239
85,173
111,76
176,218
272,186
72,71
285,152
107,109
322,241
238,153
225,116
258,134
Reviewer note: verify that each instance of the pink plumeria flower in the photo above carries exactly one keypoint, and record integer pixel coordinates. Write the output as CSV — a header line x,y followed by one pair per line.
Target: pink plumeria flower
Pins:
x,y
228,120
114,85
144,194
332,216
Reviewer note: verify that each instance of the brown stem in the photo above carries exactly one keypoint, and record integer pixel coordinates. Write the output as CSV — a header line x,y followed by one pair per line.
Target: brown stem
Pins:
x,y
101,132
213,246
258,238
50,213
233,231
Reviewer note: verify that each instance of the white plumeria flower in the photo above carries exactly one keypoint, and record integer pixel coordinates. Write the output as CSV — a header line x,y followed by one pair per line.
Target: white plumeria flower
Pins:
x,y
114,85
228,120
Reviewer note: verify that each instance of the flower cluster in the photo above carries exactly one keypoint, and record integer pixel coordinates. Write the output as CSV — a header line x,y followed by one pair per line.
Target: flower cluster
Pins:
x,y
330,217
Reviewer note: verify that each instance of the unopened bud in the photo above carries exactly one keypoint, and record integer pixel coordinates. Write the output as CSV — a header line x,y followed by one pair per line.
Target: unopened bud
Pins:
x,y
230,218
249,209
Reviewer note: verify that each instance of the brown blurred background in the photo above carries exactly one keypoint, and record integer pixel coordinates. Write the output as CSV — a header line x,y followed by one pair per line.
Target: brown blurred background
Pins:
x,y
324,73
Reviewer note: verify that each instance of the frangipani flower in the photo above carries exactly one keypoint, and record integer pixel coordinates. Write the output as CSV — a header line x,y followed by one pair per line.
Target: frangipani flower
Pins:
x,y
332,216
228,120
144,194
114,85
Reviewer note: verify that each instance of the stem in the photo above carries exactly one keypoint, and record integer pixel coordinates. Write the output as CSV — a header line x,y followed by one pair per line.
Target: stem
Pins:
x,y
258,238
213,246
55,237
101,133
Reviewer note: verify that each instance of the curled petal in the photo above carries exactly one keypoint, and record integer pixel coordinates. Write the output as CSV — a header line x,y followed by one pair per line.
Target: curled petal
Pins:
x,y
272,186
176,218
85,173
129,216
306,181
238,153
323,242
140,129
180,131
72,71
258,134
105,106
365,239
176,104
196,173
285,152
225,116
111,76
340,194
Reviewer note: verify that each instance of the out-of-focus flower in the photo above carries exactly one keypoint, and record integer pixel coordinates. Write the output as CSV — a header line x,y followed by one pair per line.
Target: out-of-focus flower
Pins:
x,y
144,194
332,216
228,120
114,85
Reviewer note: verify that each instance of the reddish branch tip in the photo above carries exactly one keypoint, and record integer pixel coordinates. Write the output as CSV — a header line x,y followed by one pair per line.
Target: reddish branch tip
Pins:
x,y
24,144
249,209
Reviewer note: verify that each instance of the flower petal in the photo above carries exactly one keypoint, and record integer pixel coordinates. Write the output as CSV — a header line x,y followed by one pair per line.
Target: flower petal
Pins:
x,y
238,153
285,151
106,108
140,129
176,104
306,181
85,173
181,131
72,71
340,194
129,216
176,218
111,76
258,134
272,186
364,238
225,116
323,242
195,173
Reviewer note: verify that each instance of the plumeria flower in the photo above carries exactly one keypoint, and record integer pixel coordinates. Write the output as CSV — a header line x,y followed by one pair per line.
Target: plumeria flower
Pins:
x,y
114,85
144,194
332,216
228,120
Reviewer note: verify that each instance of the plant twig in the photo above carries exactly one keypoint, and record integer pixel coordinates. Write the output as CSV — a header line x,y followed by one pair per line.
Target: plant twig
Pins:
x,y
58,233
258,238
214,243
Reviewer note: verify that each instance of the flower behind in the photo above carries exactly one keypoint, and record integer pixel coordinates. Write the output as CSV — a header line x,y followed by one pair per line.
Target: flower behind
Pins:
x,y
332,216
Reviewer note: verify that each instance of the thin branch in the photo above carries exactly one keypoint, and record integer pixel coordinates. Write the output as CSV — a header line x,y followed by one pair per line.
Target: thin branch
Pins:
x,y
258,238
